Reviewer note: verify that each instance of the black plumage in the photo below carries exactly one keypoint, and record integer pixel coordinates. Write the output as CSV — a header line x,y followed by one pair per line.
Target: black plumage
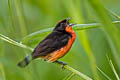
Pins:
x,y
52,42
56,40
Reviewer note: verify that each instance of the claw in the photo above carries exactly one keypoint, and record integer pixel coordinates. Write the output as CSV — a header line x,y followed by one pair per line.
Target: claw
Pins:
x,y
62,63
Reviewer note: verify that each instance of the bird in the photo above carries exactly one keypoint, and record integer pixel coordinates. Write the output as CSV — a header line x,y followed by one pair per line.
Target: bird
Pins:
x,y
54,46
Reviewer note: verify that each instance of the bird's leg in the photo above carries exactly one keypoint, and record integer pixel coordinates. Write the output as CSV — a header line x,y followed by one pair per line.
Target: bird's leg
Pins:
x,y
62,63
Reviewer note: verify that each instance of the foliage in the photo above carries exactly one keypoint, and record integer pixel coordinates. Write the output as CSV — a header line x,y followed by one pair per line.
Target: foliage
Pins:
x,y
29,21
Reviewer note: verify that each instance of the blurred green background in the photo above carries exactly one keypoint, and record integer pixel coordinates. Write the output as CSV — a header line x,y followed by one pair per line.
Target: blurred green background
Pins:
x,y
19,18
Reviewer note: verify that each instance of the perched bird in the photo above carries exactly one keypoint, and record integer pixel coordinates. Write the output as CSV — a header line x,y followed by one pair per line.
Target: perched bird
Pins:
x,y
55,45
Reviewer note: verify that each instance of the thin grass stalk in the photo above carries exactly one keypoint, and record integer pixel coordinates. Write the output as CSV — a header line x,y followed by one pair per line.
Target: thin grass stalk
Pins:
x,y
14,42
21,19
78,73
113,13
75,27
66,67
75,11
66,77
113,68
111,31
103,73
70,76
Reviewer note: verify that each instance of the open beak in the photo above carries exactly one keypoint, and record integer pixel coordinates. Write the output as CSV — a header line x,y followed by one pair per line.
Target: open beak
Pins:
x,y
72,24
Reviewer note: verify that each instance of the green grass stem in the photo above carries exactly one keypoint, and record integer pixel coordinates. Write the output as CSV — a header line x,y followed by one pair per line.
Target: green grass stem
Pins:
x,y
75,27
31,49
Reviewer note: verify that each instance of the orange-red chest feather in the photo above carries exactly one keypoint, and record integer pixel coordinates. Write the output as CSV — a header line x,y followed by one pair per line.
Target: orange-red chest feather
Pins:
x,y
61,52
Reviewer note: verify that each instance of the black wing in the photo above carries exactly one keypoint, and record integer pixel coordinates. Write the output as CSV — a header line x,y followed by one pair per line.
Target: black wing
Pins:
x,y
52,42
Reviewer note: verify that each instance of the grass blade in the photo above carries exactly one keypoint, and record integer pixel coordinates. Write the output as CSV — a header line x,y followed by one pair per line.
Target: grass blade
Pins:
x,y
113,13
104,74
69,76
75,27
24,46
14,42
111,31
113,68
78,73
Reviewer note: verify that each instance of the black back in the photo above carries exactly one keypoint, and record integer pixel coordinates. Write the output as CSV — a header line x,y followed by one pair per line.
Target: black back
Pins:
x,y
51,43
54,41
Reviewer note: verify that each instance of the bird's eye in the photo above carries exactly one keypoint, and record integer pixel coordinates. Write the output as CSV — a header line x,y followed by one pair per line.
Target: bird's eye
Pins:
x,y
62,24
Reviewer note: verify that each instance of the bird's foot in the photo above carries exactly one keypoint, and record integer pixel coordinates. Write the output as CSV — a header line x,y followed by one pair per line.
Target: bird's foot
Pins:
x,y
62,63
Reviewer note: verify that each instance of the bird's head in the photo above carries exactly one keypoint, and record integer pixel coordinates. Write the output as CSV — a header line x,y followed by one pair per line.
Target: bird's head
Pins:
x,y
61,26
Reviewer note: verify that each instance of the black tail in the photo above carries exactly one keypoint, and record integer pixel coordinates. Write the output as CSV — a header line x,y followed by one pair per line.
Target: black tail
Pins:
x,y
25,62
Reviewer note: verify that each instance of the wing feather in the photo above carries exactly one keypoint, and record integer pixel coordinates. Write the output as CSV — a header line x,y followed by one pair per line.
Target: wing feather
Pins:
x,y
51,43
